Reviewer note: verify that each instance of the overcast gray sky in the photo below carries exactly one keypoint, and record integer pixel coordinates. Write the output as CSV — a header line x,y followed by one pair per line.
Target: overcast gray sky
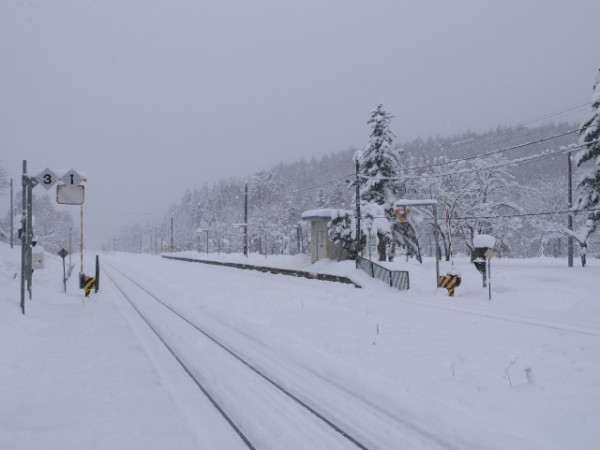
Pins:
x,y
151,97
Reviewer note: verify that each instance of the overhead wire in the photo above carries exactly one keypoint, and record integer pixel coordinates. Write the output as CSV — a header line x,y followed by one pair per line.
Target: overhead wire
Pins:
x,y
525,160
487,136
481,156
501,216
493,152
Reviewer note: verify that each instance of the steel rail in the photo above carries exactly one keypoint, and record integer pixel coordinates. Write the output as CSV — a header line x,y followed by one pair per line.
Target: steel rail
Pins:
x,y
231,352
184,367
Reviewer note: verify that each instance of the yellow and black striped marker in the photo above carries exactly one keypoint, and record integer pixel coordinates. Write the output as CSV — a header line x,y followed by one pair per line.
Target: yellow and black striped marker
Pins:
x,y
449,282
88,284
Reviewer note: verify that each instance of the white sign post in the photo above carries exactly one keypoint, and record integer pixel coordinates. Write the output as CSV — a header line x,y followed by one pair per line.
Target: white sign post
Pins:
x,y
489,254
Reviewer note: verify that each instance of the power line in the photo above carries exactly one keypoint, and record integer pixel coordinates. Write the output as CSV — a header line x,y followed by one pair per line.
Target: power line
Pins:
x,y
493,152
501,216
525,160
533,120
481,139
319,185
544,213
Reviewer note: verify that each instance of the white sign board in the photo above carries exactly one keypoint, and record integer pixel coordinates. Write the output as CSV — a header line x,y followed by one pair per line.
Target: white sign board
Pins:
x,y
70,195
47,178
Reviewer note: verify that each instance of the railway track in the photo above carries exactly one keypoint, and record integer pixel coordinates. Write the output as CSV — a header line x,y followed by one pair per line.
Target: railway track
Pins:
x,y
322,427
197,380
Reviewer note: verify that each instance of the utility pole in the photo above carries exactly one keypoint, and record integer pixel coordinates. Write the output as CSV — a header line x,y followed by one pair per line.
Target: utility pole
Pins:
x,y
198,226
246,220
70,247
12,215
24,265
357,210
29,233
570,216
171,233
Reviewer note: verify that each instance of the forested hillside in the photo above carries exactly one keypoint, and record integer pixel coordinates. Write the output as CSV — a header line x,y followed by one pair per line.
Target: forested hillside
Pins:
x,y
513,172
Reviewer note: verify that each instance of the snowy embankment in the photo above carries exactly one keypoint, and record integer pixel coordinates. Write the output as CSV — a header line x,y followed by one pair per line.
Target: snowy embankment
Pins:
x,y
520,371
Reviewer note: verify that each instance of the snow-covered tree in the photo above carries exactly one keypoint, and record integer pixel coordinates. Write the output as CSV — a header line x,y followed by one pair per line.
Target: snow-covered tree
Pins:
x,y
589,158
378,184
51,227
379,161
3,180
342,232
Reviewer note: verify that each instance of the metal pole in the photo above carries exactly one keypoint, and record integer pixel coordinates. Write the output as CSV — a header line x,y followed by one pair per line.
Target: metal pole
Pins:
x,y
70,247
23,234
198,226
357,210
437,247
489,267
29,234
97,284
12,215
81,238
171,233
206,241
64,275
570,216
246,220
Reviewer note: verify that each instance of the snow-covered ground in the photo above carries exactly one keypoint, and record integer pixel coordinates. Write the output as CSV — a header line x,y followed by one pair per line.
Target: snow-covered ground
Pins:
x,y
521,371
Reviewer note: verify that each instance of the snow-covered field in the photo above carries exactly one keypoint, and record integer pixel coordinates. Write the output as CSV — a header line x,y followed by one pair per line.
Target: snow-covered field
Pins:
x,y
412,369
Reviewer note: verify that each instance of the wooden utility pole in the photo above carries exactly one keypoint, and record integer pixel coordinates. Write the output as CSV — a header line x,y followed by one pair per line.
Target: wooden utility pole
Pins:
x,y
357,210
12,215
570,217
246,219
171,233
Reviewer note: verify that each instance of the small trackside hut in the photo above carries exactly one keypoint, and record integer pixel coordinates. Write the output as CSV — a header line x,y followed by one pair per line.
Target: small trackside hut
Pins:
x,y
320,245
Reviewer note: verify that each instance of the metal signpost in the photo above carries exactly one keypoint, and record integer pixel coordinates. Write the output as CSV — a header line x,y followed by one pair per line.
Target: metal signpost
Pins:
x,y
489,254
68,193
63,254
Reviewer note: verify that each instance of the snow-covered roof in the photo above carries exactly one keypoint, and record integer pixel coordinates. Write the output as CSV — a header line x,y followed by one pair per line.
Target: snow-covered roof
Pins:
x,y
325,213
484,240
417,202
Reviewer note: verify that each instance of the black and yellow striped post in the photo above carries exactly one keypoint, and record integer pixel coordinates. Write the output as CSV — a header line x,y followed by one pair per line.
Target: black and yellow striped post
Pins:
x,y
449,282
88,284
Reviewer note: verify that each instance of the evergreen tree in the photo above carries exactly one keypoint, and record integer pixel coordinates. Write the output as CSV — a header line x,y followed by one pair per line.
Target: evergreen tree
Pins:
x,y
3,180
589,187
589,195
379,188
379,161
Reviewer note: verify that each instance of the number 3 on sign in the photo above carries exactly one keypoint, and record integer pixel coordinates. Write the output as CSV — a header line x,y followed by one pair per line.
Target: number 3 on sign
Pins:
x,y
47,179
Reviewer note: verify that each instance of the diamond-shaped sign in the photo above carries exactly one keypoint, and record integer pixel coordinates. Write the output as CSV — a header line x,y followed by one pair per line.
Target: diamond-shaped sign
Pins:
x,y
489,253
47,178
72,178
